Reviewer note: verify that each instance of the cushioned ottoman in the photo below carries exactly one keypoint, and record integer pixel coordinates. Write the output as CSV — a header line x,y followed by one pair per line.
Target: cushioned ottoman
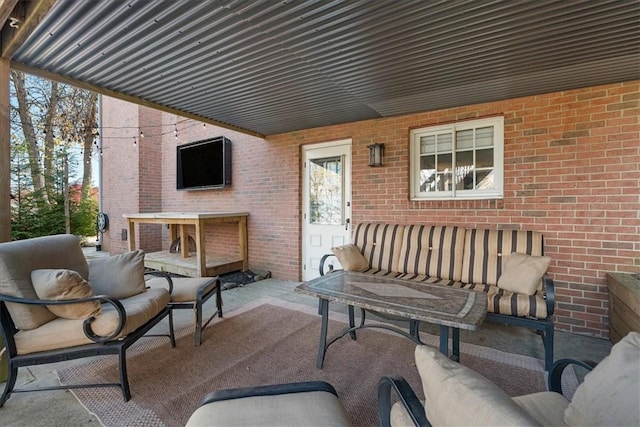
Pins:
x,y
191,292
313,403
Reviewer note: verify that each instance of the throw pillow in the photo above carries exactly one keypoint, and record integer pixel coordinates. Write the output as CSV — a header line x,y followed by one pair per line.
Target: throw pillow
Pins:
x,y
457,395
350,257
522,273
610,394
61,285
118,276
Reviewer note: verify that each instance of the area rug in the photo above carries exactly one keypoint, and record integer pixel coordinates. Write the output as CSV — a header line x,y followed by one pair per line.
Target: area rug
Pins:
x,y
271,341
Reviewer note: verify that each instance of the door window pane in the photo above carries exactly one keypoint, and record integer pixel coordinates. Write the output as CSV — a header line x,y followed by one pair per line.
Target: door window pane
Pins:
x,y
325,191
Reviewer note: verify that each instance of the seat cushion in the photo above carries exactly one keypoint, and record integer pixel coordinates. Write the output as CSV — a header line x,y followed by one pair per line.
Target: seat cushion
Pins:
x,y
546,407
380,244
60,285
313,408
485,252
185,289
610,393
431,250
63,333
457,395
19,258
118,276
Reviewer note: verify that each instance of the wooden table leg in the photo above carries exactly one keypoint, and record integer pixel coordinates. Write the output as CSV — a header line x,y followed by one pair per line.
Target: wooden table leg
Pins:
x,y
132,236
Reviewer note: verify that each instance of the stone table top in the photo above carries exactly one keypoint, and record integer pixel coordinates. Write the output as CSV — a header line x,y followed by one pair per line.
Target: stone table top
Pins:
x,y
437,304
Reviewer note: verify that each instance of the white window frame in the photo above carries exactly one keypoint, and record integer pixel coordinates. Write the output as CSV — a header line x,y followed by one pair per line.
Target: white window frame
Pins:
x,y
497,192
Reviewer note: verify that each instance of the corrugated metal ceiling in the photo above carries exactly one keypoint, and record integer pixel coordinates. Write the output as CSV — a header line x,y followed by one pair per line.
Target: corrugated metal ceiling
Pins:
x,y
277,66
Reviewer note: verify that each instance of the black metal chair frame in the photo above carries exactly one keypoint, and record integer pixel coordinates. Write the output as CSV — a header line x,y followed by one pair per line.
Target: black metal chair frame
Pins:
x,y
202,295
407,397
543,327
103,345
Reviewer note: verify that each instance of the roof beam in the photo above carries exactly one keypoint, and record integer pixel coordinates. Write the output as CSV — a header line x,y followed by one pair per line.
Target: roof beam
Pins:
x,y
114,94
29,14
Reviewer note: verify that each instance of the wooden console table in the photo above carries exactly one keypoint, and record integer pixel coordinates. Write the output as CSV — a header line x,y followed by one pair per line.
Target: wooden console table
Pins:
x,y
183,263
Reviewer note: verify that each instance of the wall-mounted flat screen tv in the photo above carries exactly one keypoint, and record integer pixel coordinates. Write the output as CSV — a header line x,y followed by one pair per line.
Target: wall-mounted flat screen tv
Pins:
x,y
204,164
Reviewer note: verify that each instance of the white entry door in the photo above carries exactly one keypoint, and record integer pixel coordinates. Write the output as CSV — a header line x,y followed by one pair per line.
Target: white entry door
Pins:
x,y
326,200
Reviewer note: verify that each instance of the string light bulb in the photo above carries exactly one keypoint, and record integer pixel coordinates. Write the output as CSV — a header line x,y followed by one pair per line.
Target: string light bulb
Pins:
x,y
135,141
176,130
141,133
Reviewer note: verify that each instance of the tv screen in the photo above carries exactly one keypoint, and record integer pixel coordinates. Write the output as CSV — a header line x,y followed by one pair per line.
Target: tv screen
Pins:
x,y
204,164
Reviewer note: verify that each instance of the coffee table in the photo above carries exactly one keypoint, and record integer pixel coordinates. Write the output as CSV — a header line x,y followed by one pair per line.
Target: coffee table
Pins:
x,y
414,301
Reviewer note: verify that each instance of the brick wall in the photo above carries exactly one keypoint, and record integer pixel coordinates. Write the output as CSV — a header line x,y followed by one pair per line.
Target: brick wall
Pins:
x,y
571,171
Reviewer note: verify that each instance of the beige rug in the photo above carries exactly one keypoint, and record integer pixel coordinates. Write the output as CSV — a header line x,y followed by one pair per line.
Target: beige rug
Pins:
x,y
267,342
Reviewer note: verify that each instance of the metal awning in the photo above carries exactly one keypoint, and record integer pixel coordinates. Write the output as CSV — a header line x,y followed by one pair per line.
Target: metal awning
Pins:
x,y
276,66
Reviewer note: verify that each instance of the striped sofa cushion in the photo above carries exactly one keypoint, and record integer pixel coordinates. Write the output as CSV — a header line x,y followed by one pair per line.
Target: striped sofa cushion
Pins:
x,y
484,249
510,303
380,244
431,250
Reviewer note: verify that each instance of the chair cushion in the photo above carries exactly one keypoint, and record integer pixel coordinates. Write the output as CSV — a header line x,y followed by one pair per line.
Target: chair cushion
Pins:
x,y
19,258
485,252
350,257
118,276
380,244
313,408
546,407
431,250
63,333
523,273
457,395
61,284
185,289
610,393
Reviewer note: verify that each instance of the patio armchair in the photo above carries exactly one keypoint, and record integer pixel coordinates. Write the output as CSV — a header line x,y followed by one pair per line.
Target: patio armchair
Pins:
x,y
54,306
456,395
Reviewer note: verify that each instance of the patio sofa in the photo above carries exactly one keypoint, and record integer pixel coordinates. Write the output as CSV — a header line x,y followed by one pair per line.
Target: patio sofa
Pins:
x,y
508,265
54,306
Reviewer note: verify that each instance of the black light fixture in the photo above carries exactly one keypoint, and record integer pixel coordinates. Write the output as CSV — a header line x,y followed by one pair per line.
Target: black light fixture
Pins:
x,y
375,154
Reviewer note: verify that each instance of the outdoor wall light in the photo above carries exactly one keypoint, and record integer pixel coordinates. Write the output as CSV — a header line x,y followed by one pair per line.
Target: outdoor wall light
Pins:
x,y
375,154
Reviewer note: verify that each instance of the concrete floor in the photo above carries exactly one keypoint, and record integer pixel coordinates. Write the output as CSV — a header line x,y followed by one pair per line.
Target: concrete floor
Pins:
x,y
60,408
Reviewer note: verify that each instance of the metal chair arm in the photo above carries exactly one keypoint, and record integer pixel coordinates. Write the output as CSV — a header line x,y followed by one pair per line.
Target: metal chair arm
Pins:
x,y
406,396
164,274
86,326
558,367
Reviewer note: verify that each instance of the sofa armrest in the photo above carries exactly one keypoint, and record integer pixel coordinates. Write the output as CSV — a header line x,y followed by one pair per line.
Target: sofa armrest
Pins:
x,y
163,274
550,295
322,262
88,331
558,367
406,396
267,390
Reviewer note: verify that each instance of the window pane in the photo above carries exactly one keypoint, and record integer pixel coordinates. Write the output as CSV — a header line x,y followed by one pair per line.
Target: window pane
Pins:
x,y
444,182
484,158
464,170
428,180
444,162
325,191
484,137
445,143
428,144
428,162
464,139
485,180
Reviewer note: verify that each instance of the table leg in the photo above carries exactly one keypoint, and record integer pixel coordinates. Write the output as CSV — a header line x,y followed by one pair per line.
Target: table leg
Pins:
x,y
322,345
444,340
455,355
352,322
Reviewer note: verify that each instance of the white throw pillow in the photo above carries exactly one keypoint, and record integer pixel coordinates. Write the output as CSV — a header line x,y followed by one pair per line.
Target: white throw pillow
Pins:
x,y
610,393
523,273
350,257
60,285
458,396
118,276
